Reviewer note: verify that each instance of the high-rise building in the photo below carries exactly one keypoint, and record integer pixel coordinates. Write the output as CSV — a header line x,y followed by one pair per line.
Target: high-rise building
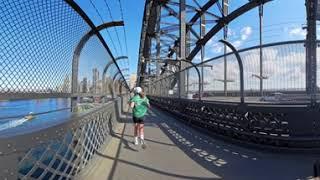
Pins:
x,y
133,80
95,79
66,84
84,85
99,86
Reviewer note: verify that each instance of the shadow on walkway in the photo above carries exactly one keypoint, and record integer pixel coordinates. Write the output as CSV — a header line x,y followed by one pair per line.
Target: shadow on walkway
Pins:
x,y
152,169
147,140
121,136
231,161
177,151
115,162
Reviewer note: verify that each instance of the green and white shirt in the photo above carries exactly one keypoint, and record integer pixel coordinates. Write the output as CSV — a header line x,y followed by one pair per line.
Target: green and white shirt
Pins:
x,y
140,106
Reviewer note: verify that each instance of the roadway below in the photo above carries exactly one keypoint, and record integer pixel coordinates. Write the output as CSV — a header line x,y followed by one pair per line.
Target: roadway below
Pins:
x,y
255,99
177,151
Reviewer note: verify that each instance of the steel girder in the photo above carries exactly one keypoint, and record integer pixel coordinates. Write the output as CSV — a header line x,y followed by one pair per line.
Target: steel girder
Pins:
x,y
148,28
150,23
222,22
193,20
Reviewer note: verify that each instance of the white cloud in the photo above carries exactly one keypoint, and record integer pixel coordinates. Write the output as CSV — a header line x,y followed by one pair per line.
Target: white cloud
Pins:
x,y
215,47
284,67
237,43
297,32
231,32
246,33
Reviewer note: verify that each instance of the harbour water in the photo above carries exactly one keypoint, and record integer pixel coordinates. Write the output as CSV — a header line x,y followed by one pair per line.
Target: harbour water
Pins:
x,y
12,112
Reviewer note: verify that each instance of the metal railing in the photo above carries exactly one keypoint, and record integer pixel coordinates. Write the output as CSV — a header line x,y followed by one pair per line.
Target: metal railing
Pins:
x,y
288,123
60,151
277,127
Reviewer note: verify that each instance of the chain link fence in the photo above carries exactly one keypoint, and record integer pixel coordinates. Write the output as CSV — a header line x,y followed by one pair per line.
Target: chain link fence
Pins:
x,y
38,43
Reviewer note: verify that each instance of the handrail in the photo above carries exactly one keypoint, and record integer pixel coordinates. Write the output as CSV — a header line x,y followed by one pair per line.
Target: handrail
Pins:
x,y
65,139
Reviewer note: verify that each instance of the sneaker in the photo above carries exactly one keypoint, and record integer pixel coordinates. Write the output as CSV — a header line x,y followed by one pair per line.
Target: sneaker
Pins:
x,y
143,144
136,142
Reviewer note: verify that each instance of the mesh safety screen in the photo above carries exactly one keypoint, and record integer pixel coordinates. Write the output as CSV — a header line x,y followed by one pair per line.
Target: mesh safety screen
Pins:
x,y
37,41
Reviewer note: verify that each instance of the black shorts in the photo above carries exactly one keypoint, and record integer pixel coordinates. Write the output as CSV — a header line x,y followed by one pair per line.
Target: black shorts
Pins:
x,y
138,120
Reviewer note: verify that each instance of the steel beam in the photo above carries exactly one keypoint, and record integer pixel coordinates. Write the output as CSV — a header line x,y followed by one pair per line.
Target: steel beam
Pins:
x,y
202,33
158,46
147,33
195,18
225,12
311,50
221,23
182,47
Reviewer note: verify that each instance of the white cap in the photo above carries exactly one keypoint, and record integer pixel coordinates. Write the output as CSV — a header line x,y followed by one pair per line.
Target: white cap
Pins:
x,y
137,90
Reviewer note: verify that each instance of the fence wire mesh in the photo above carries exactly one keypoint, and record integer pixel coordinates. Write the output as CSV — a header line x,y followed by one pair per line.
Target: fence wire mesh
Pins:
x,y
37,43
38,39
65,158
92,62
283,71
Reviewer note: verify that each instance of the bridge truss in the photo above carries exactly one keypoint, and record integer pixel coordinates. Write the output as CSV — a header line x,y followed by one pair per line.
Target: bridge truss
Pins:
x,y
175,35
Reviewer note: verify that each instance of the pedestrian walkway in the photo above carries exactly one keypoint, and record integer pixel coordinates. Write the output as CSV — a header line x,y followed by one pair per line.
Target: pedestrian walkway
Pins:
x,y
177,151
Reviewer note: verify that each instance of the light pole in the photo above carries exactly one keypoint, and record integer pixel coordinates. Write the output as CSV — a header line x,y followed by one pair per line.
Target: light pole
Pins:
x,y
261,55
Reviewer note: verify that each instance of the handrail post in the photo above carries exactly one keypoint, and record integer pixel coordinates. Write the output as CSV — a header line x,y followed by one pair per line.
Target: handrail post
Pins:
x,y
236,53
